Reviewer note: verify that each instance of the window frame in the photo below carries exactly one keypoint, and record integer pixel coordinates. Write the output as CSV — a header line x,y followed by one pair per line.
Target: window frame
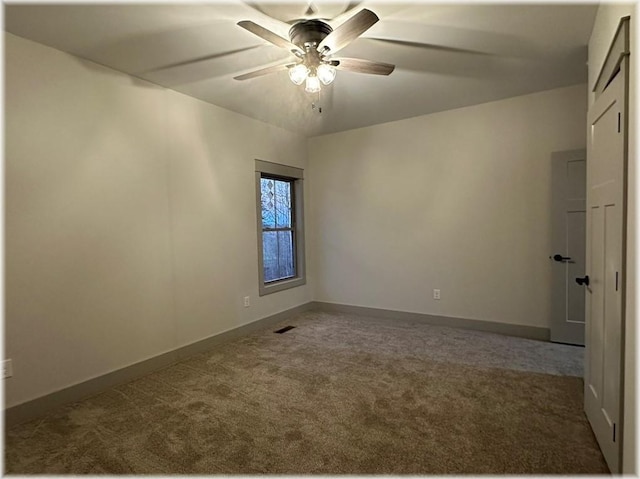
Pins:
x,y
295,176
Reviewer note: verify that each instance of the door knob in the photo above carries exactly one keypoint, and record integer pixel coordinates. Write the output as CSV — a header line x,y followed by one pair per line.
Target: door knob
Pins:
x,y
583,281
559,257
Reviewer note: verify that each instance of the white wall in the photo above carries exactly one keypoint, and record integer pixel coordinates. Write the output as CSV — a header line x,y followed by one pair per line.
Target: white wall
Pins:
x,y
130,219
458,200
605,25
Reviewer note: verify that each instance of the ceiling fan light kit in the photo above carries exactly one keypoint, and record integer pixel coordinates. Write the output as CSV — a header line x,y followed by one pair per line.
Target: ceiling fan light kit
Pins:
x,y
312,85
298,74
326,73
314,42
314,69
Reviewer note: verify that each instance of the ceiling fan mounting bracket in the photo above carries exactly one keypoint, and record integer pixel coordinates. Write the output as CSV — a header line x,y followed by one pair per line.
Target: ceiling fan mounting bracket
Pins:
x,y
308,32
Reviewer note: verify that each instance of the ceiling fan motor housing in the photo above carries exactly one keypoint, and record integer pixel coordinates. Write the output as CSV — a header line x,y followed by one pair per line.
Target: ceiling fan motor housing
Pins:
x,y
309,32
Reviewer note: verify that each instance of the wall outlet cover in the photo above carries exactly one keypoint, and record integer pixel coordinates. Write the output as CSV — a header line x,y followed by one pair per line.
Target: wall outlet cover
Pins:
x,y
7,368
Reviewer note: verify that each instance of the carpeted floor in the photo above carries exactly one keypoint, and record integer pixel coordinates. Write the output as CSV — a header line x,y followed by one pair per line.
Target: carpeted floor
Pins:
x,y
337,394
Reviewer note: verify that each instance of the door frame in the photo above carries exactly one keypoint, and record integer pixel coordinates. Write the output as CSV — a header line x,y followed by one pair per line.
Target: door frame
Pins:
x,y
617,63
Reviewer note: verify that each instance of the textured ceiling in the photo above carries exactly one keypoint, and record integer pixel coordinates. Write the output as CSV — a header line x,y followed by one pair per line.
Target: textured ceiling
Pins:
x,y
446,55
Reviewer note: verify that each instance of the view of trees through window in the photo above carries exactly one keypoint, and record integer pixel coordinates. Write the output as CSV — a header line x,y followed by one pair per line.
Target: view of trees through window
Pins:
x,y
276,199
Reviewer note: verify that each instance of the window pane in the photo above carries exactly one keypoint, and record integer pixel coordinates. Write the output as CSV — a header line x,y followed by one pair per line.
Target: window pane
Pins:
x,y
268,202
283,204
277,255
285,256
270,255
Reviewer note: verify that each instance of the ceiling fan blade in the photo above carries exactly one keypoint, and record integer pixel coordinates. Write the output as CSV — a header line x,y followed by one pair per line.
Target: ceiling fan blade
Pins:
x,y
362,66
348,31
265,71
269,36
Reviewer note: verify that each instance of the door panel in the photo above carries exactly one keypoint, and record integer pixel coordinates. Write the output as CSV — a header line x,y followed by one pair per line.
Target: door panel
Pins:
x,y
595,306
577,178
603,305
576,233
611,359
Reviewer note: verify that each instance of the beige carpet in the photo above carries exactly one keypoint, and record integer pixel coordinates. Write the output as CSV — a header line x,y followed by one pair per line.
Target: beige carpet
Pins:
x,y
337,394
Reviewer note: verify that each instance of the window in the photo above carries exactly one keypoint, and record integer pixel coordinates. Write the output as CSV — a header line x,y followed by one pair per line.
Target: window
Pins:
x,y
280,227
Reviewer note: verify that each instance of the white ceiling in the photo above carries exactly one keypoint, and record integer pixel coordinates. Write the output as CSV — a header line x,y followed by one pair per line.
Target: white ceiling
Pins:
x,y
456,55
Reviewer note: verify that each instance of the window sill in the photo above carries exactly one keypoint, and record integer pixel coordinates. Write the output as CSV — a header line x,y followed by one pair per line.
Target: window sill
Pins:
x,y
281,285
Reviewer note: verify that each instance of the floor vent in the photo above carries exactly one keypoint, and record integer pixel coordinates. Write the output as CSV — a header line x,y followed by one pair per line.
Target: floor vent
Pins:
x,y
284,330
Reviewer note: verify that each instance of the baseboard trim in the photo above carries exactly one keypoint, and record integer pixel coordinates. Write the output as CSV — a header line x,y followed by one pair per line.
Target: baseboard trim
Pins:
x,y
507,329
40,406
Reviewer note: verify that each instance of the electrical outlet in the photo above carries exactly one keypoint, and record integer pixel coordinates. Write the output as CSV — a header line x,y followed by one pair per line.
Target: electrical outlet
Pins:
x,y
247,302
7,369
436,294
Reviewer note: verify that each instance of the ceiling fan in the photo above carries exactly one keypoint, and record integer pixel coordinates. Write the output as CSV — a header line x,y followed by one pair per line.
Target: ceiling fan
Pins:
x,y
314,43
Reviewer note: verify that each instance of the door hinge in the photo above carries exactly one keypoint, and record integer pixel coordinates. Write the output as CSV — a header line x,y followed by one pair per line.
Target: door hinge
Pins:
x,y
618,122
616,281
614,432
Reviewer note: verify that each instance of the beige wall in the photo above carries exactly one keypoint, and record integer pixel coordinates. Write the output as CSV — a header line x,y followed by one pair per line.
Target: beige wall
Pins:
x,y
458,201
605,25
130,219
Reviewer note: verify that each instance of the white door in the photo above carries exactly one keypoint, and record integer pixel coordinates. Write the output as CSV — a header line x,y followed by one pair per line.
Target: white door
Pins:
x,y
568,203
604,274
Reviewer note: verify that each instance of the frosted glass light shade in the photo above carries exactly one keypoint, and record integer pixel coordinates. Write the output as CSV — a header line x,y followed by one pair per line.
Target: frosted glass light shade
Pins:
x,y
298,74
313,84
326,73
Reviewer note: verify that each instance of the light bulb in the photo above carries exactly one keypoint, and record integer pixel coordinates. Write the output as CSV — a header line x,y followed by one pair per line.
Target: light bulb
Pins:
x,y
326,73
298,74
313,84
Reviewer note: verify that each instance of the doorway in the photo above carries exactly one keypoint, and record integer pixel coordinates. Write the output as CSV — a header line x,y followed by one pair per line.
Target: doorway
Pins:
x,y
568,229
